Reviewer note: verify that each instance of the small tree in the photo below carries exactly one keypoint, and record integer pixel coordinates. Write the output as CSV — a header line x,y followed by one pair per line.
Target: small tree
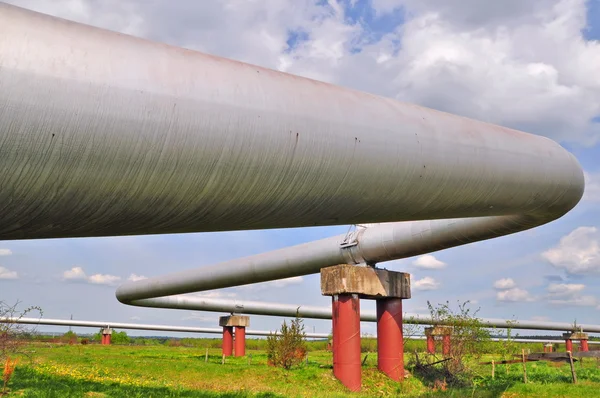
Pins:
x,y
468,339
12,334
287,348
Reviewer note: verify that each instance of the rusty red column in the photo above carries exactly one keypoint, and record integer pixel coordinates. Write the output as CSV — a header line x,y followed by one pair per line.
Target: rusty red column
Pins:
x,y
390,342
569,345
446,341
334,340
227,340
583,345
430,344
106,333
240,341
346,340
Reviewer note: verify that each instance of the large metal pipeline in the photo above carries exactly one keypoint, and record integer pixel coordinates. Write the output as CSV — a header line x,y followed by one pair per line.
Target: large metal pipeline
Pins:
x,y
104,134
315,312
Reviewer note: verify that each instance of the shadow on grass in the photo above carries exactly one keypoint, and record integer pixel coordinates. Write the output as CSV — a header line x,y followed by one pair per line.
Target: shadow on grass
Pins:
x,y
445,384
26,382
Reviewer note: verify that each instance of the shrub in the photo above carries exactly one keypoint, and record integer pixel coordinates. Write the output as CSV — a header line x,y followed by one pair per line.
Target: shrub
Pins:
x,y
12,335
70,337
287,348
469,339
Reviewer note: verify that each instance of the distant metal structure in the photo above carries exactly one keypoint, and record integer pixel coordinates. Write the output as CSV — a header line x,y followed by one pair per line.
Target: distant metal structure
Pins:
x,y
139,326
185,329
104,134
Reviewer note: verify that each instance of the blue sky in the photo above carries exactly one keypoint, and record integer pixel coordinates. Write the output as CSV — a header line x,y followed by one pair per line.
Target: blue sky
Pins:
x,y
527,65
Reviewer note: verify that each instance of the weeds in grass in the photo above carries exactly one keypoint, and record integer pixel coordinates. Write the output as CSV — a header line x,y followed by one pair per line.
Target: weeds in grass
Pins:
x,y
9,368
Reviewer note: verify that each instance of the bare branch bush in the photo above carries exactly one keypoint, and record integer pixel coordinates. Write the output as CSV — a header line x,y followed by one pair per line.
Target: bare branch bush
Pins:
x,y
14,335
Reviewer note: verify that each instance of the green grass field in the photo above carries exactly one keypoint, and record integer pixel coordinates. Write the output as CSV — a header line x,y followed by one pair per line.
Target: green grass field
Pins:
x,y
58,370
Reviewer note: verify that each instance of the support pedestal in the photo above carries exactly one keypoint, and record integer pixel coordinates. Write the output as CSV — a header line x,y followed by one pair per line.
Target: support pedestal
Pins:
x,y
346,284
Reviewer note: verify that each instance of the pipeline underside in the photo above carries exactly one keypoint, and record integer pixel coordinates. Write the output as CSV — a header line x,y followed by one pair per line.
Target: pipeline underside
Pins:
x,y
104,134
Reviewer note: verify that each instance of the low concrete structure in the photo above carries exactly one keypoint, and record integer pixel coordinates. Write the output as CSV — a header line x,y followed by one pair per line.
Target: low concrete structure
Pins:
x,y
239,322
346,284
106,336
445,332
548,347
582,337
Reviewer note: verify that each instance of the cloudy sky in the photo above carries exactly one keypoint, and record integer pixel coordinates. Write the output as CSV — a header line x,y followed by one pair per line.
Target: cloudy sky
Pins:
x,y
531,65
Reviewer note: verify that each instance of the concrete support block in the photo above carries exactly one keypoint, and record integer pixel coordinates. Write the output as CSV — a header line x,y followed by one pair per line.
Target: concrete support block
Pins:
x,y
234,320
548,347
367,282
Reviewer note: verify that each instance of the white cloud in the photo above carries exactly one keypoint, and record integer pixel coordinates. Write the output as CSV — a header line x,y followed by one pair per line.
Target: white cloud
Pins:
x,y
504,284
578,252
5,273
513,295
104,279
428,261
592,187
564,289
426,283
74,274
5,252
523,64
201,318
569,294
135,318
136,278
77,274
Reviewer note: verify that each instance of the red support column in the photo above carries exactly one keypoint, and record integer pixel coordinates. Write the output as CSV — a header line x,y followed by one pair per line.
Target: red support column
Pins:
x,y
227,340
334,338
569,344
390,343
446,344
583,345
240,341
346,341
430,344
106,333
102,340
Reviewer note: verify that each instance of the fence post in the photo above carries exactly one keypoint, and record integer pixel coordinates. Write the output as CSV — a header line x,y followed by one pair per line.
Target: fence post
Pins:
x,y
524,366
572,367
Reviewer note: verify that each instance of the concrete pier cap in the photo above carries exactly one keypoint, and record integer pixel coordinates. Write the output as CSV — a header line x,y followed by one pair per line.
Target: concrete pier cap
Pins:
x,y
575,336
365,281
347,284
234,320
